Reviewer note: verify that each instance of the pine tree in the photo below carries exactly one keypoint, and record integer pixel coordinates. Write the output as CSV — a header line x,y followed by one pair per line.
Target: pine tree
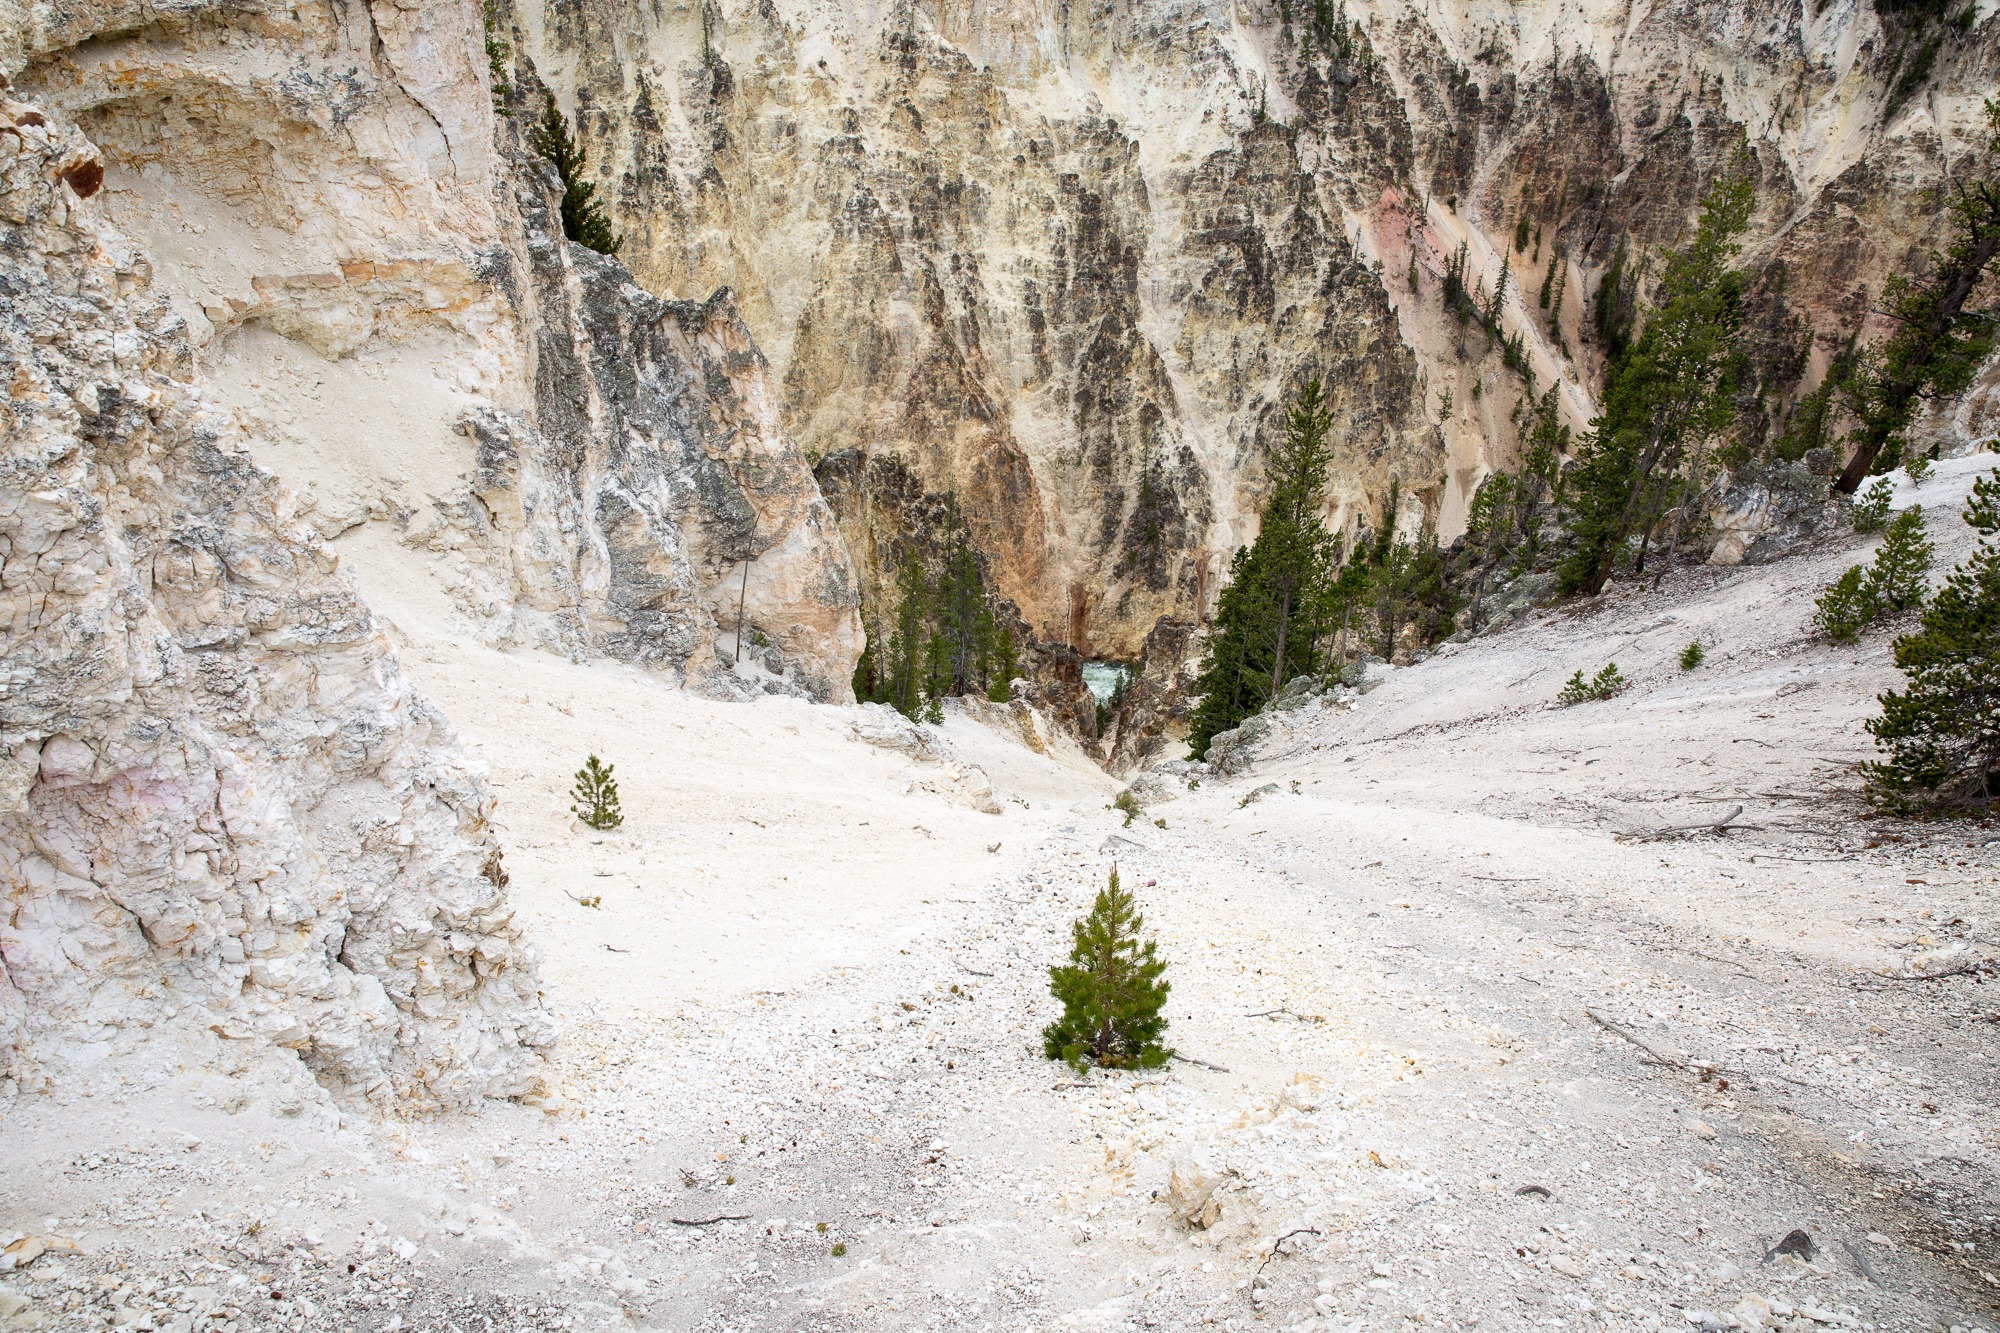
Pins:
x,y
1112,991
1666,396
1541,475
1486,527
583,217
1003,664
964,621
1940,734
1896,579
1939,343
903,669
595,796
1270,618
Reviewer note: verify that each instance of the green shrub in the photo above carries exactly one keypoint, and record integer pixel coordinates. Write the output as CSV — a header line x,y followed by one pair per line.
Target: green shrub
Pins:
x,y
1940,734
1692,655
1129,804
1871,512
1606,683
1112,991
595,796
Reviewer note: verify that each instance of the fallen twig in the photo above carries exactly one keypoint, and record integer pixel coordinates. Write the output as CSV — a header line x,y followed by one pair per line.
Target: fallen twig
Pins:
x,y
1717,958
709,1221
1273,1013
1721,825
1972,968
977,973
1659,1056
1295,1231
1542,1190
1861,1262
615,949
1190,1060
1511,879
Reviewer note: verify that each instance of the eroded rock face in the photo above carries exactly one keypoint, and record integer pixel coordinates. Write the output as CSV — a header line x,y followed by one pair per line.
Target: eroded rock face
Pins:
x,y
1070,262
499,433
252,238
223,809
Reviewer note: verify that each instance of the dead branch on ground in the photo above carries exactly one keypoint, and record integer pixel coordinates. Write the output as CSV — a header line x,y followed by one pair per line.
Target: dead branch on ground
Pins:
x,y
1190,1060
1296,1231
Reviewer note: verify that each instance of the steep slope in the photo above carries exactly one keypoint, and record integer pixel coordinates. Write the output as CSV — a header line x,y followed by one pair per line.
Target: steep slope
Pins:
x,y
1479,1049
1069,262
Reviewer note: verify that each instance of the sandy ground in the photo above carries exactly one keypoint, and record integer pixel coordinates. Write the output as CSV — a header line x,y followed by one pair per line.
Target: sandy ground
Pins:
x,y
1476,1049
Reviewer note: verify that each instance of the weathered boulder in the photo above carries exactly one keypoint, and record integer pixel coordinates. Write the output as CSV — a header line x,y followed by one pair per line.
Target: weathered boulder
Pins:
x,y
1766,510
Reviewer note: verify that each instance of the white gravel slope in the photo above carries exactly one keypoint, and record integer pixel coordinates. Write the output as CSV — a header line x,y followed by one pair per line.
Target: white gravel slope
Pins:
x,y
828,1006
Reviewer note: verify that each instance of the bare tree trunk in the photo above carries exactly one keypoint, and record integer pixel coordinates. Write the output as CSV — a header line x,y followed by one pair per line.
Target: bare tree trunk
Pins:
x,y
1284,627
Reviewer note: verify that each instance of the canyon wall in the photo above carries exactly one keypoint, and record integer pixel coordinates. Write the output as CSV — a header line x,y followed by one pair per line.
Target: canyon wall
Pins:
x,y
303,373
1069,262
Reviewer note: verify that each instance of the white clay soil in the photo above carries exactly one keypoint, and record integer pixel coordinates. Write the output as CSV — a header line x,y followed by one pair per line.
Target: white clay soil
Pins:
x,y
1484,1029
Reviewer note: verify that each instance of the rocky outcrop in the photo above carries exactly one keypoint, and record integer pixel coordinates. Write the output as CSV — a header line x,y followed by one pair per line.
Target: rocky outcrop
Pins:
x,y
223,810
1070,263
498,432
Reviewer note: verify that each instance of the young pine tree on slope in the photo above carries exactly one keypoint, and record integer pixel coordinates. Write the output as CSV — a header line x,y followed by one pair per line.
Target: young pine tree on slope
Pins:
x,y
1940,339
583,217
1940,734
1112,991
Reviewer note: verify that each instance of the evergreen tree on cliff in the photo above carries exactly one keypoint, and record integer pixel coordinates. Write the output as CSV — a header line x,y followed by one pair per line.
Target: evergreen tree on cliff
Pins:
x,y
582,215
1666,396
1939,343
1269,619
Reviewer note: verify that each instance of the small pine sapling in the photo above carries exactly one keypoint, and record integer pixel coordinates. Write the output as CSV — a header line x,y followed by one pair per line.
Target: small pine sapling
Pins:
x,y
1605,684
1897,576
1871,512
595,796
1844,609
1894,582
1692,655
1128,804
1112,991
